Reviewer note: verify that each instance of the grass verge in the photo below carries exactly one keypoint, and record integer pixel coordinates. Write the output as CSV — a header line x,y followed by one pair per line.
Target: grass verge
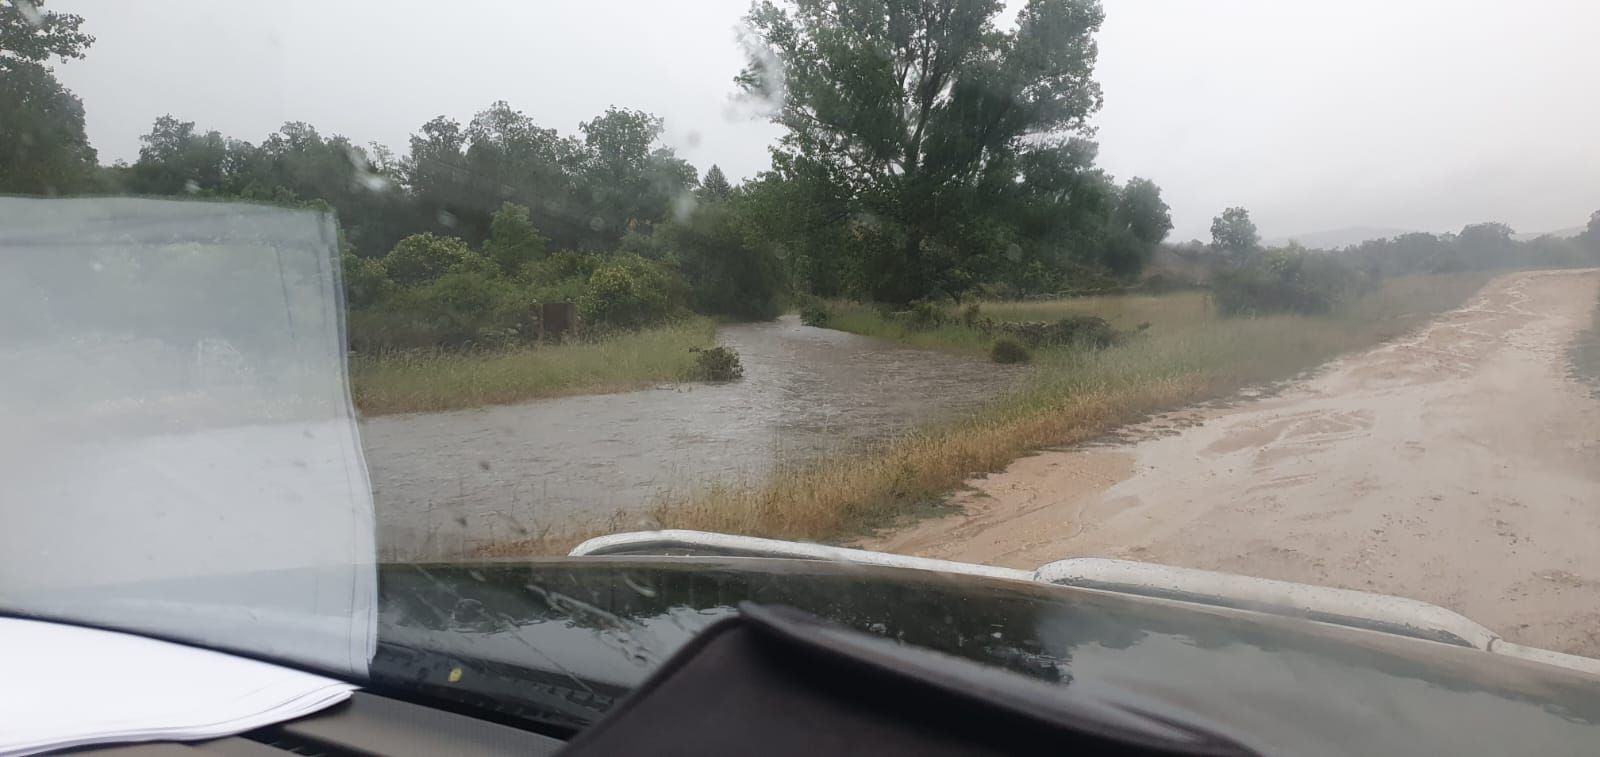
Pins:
x,y
427,381
1069,396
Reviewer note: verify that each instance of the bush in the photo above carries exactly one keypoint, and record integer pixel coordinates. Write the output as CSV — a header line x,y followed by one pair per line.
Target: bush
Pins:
x,y
924,315
1285,281
630,292
460,309
814,313
422,258
717,364
366,282
1007,351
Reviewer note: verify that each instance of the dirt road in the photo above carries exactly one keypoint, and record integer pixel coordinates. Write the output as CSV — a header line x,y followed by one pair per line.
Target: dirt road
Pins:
x,y
1459,466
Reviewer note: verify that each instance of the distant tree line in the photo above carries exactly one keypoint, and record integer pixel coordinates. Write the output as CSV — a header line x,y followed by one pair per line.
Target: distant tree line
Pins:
x,y
928,155
1248,278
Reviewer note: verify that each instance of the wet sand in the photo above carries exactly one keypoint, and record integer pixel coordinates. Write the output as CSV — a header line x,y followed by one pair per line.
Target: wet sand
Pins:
x,y
1459,465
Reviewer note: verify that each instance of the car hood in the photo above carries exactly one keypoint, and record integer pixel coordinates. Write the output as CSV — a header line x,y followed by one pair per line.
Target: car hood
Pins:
x,y
561,640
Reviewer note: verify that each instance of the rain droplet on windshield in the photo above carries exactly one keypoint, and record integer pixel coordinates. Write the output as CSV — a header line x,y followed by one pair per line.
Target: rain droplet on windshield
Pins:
x,y
683,207
30,12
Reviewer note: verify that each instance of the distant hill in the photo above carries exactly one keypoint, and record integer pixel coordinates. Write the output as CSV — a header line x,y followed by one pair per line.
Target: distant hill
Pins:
x,y
1353,235
1334,239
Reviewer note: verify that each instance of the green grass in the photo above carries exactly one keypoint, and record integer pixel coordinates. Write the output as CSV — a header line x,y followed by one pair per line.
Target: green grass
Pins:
x,y
426,381
1069,395
1174,311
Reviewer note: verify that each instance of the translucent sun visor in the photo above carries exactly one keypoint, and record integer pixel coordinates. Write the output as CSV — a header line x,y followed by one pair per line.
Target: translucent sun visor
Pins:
x,y
178,451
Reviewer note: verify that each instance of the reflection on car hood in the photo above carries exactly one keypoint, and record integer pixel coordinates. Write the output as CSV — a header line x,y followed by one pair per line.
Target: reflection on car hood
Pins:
x,y
561,640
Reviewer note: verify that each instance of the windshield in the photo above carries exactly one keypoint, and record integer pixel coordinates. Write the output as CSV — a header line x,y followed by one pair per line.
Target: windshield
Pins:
x,y
399,293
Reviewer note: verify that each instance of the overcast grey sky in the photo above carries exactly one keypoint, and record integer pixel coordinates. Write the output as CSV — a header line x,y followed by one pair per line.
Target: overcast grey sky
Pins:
x,y
1421,114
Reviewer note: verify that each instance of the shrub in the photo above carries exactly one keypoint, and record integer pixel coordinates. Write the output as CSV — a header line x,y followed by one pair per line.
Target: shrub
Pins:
x,y
1007,350
924,315
365,281
1084,331
423,258
1285,281
814,313
629,292
717,364
460,309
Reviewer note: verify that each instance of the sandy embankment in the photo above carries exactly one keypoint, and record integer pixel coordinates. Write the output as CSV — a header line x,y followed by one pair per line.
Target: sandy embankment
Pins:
x,y
1459,466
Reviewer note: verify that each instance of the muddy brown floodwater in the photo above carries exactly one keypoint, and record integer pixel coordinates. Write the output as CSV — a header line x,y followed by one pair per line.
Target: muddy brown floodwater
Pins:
x,y
1459,466
447,483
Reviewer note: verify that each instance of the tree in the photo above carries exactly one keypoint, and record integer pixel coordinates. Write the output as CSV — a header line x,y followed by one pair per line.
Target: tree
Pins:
x,y
1590,237
174,159
917,107
43,147
513,241
728,272
1486,245
1140,221
29,33
1233,232
626,176
715,185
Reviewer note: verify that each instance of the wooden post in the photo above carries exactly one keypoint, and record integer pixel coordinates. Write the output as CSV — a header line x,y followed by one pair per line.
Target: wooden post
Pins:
x,y
556,319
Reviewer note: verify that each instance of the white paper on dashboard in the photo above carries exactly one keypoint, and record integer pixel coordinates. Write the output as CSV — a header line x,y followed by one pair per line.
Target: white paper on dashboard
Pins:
x,y
178,451
68,686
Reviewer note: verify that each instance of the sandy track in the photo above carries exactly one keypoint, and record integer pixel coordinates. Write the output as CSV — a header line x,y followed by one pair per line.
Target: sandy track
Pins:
x,y
1459,466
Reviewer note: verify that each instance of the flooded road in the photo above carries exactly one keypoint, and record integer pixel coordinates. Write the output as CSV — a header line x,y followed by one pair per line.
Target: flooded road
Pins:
x,y
446,483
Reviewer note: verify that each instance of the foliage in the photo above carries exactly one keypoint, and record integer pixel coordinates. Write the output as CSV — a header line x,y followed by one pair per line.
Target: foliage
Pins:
x,y
423,258
1008,350
513,241
714,186
1233,233
717,364
464,308
628,292
1589,239
366,281
30,33
916,124
728,272
814,312
1290,280
43,146
1077,330
924,315
970,314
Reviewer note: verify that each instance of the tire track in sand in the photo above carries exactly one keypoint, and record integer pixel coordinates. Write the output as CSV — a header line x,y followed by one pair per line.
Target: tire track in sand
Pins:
x,y
1459,465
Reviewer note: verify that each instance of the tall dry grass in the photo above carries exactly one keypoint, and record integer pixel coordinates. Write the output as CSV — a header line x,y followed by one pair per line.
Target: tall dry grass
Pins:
x,y
427,381
1071,395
